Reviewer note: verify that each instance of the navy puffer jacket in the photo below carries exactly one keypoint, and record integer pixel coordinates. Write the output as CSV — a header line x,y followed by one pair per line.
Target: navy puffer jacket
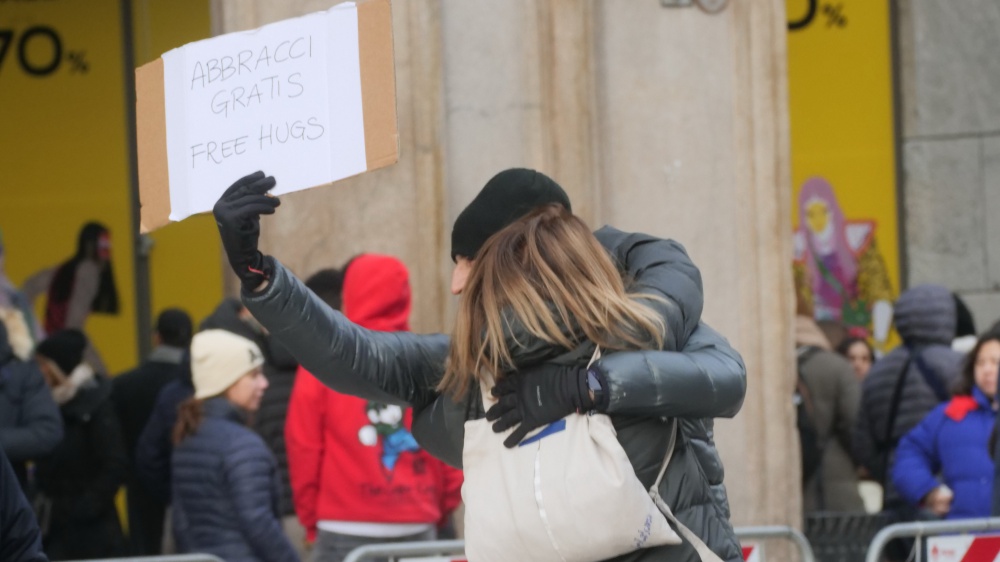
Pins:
x,y
226,491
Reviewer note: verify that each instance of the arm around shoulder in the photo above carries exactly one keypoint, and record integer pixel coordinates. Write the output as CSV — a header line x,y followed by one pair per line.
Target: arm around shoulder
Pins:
x,y
706,380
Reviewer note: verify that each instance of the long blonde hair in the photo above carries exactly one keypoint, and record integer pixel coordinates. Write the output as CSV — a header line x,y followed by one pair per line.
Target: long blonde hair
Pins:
x,y
548,273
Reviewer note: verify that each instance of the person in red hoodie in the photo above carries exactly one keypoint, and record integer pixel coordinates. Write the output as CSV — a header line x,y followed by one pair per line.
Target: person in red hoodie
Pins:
x,y
358,476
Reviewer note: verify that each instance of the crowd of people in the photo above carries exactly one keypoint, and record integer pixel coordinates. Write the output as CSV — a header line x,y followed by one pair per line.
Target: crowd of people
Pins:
x,y
304,420
917,426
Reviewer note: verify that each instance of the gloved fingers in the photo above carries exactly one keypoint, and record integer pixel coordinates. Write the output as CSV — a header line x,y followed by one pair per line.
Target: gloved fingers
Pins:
x,y
507,421
242,206
242,182
506,385
504,405
515,438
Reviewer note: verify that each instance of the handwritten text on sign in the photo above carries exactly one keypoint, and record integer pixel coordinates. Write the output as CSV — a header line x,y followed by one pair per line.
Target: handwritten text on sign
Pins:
x,y
285,98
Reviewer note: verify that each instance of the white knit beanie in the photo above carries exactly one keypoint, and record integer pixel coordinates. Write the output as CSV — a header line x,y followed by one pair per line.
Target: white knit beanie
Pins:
x,y
219,359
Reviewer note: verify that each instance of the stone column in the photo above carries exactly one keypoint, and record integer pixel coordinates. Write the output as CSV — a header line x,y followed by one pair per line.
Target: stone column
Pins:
x,y
665,120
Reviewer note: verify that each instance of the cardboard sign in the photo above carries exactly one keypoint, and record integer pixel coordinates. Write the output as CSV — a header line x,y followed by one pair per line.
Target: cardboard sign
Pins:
x,y
309,100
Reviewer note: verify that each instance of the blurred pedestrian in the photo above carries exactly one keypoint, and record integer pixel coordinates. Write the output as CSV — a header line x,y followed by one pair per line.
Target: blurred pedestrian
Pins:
x,y
832,392
134,394
83,284
226,488
30,424
20,539
902,388
944,464
14,301
358,475
80,478
860,354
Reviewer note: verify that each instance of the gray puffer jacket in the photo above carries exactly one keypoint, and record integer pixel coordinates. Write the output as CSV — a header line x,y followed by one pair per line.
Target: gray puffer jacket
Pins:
x,y
705,380
925,319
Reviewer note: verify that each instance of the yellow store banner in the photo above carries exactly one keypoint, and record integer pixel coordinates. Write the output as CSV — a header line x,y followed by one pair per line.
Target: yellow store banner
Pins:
x,y
64,151
845,213
65,147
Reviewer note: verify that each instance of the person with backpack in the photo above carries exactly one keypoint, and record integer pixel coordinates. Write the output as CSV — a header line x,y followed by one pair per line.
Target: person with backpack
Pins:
x,y
944,464
696,375
827,406
907,383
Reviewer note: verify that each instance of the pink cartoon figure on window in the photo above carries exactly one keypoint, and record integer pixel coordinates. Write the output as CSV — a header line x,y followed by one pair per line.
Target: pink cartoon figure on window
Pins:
x,y
838,268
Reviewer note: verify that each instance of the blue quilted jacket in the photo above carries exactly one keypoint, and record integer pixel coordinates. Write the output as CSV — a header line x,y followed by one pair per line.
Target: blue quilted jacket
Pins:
x,y
951,444
226,491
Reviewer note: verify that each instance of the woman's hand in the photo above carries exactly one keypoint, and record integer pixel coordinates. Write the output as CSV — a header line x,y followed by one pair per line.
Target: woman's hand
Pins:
x,y
536,397
237,214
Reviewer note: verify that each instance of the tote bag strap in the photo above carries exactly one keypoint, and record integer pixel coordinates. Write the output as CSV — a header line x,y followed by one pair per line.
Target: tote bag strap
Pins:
x,y
700,547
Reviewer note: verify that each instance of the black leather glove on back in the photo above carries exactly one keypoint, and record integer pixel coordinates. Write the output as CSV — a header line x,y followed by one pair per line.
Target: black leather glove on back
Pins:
x,y
536,397
237,214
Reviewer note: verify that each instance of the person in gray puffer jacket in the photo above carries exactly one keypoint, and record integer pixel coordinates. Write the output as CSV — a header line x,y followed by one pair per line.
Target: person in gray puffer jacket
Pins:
x,y
925,319
705,379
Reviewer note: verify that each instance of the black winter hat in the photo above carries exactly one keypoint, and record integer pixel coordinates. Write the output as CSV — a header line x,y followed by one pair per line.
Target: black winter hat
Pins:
x,y
508,196
65,348
175,328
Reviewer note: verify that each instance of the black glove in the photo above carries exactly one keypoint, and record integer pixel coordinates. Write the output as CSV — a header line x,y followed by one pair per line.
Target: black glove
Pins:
x,y
237,214
537,397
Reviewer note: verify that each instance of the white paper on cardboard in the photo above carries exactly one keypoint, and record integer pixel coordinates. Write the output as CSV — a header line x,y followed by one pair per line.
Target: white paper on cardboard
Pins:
x,y
284,98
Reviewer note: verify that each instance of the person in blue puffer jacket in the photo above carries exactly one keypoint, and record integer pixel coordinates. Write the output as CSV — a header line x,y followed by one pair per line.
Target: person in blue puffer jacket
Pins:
x,y
226,487
944,463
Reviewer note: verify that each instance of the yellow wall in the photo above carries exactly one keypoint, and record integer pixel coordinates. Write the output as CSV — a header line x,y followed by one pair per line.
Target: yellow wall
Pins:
x,y
841,113
64,157
63,153
186,262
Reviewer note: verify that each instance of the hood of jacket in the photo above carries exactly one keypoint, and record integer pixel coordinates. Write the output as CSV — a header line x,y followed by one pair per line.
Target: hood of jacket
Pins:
x,y
377,293
88,398
808,333
925,315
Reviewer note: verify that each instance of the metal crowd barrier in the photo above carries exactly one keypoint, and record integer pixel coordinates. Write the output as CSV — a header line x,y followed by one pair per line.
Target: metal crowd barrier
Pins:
x,y
393,551
779,532
457,547
164,558
921,530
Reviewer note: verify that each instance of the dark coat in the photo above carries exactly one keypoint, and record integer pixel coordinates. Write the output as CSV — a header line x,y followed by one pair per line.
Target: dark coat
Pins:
x,y
226,491
269,421
134,395
20,539
279,367
82,476
155,445
30,424
925,319
835,393
708,380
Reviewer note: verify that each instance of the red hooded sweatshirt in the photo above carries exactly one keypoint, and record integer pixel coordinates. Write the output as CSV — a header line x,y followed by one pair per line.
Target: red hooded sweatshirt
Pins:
x,y
354,460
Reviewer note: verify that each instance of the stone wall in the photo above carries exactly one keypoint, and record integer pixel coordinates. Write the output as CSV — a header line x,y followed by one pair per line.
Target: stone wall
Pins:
x,y
950,95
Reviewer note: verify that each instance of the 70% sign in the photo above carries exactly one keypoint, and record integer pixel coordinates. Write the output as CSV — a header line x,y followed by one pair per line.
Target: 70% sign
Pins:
x,y
39,51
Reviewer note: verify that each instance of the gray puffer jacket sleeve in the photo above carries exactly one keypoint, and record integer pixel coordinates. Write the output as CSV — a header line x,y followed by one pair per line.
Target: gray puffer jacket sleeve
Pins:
x,y
389,367
707,380
662,268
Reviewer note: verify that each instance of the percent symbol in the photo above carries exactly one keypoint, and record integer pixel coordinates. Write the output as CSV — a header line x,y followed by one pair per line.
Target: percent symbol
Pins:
x,y
78,61
835,15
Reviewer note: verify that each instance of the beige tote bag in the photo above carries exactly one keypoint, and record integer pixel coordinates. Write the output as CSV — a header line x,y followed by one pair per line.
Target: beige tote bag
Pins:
x,y
566,493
